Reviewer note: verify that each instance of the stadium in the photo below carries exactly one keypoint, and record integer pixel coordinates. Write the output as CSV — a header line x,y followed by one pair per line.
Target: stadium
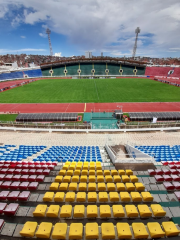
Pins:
x,y
89,145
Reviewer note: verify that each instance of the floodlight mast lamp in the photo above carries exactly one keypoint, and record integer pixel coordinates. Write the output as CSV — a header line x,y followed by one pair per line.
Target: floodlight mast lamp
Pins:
x,y
137,31
48,31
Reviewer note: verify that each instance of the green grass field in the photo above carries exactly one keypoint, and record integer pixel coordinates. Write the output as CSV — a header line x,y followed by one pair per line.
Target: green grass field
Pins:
x,y
92,90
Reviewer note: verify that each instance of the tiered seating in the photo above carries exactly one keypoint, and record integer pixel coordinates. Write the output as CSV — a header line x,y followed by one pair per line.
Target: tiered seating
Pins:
x,y
14,195
162,153
158,71
70,154
106,230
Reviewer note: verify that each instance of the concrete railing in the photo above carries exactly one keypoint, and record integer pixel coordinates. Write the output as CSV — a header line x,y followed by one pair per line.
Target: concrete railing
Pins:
x,y
110,153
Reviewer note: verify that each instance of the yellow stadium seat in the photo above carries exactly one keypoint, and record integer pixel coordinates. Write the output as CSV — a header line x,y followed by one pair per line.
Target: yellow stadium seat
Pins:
x,y
62,172
72,167
155,230
98,167
81,197
82,186
147,197
92,187
53,211
158,211
44,230
40,210
117,178
92,164
59,179
79,211
86,163
144,211
123,231
136,197
73,186
106,172
69,172
118,211
131,211
121,172
91,172
100,178
59,197
139,187
125,178
67,179
60,231
73,164
125,197
101,187
111,187
99,172
120,187
105,211
114,172
92,197
92,178
83,178
114,197
133,178
48,196
107,230
108,178
98,163
63,187
78,167
68,163
79,164
129,172
84,172
103,197
29,229
54,186
70,197
85,167
65,167
91,231
130,187
91,167
66,211
139,230
76,231
75,179
170,229
92,211
77,172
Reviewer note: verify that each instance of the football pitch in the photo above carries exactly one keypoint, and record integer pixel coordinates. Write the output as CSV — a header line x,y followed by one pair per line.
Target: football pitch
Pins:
x,y
92,90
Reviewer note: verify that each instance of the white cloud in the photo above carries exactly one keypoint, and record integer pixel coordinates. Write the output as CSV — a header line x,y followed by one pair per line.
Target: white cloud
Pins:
x,y
23,50
23,36
42,35
96,24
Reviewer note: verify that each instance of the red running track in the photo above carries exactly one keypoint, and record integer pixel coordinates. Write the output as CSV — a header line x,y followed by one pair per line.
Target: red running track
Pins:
x,y
88,107
12,83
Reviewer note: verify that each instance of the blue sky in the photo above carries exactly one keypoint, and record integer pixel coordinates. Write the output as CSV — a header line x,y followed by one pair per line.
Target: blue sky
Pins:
x,y
78,26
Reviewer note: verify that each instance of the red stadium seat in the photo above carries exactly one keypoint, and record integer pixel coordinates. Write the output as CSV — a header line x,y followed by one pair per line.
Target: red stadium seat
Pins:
x,y
25,166
175,178
51,167
177,195
44,167
168,186
19,166
177,166
3,170
14,185
159,172
17,171
8,177
37,166
2,176
151,172
13,195
23,196
54,163
174,171
32,178
6,165
32,166
176,185
10,171
24,178
32,171
2,207
1,165
159,178
13,166
11,209
46,172
167,178
39,172
23,185
166,172
25,171
3,195
16,177
40,178
33,186
6,185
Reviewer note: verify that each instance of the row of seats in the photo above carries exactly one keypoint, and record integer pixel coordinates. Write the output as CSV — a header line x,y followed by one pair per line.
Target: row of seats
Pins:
x,y
98,178
103,211
168,178
92,230
153,172
172,186
11,172
19,185
74,186
92,171
95,197
9,210
11,168
22,178
25,162
14,195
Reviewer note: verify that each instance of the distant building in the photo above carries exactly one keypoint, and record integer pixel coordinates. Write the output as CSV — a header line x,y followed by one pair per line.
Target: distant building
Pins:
x,y
88,54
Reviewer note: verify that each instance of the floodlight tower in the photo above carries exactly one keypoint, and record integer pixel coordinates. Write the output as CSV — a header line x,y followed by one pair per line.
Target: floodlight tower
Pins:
x,y
137,31
48,31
